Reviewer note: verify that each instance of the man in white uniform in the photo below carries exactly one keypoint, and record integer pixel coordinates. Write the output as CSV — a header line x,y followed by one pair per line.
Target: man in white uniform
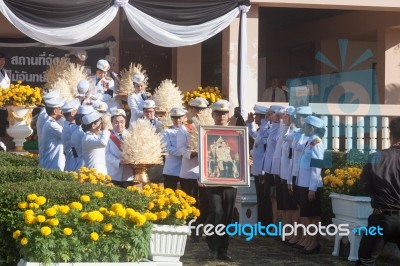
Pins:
x,y
137,98
149,114
102,86
79,57
121,173
4,84
69,111
42,118
53,151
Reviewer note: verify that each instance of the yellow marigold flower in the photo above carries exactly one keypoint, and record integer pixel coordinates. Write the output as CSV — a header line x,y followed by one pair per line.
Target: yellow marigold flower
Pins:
x,y
22,205
107,227
40,218
185,213
33,205
150,205
196,212
45,230
161,201
67,231
162,215
178,215
53,222
103,210
16,234
64,209
350,182
24,241
116,206
121,212
76,205
110,213
94,236
85,198
40,200
98,194
84,215
141,219
50,212
28,212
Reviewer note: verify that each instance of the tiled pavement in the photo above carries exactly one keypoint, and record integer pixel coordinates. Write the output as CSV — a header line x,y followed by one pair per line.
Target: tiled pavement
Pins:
x,y
266,251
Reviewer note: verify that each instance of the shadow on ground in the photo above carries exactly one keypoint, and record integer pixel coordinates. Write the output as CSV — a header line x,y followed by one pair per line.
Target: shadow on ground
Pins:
x,y
266,251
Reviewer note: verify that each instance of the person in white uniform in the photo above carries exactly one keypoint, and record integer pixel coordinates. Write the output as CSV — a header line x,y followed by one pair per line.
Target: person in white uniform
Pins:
x,y
121,174
79,57
137,98
4,84
94,142
272,139
53,151
42,118
78,134
103,86
298,142
69,111
149,114
260,135
173,161
310,180
83,92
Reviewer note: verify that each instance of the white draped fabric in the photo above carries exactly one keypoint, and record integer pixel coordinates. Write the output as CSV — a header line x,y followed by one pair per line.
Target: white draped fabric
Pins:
x,y
61,36
169,35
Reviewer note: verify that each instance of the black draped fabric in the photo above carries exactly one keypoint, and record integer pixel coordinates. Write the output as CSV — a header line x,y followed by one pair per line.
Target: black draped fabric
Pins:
x,y
57,13
185,12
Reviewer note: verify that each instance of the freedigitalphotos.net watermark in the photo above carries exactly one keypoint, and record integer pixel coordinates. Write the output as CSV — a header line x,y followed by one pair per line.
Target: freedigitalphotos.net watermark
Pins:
x,y
281,230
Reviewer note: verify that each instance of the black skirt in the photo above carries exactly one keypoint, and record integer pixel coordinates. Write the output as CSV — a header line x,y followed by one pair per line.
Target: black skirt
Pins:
x,y
310,208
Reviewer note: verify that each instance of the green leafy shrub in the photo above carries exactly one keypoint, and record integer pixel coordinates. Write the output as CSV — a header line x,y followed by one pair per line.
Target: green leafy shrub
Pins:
x,y
7,158
129,243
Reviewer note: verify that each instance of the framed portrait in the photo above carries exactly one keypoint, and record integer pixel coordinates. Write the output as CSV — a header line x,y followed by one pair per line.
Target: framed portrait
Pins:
x,y
223,156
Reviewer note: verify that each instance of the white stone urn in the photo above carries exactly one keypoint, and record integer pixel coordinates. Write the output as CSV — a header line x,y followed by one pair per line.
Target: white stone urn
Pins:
x,y
168,242
19,118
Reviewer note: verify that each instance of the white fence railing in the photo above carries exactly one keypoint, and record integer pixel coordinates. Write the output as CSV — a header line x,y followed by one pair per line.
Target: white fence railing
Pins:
x,y
355,126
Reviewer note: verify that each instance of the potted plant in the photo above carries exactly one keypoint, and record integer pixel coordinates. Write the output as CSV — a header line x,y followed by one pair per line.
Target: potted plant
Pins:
x,y
169,210
20,100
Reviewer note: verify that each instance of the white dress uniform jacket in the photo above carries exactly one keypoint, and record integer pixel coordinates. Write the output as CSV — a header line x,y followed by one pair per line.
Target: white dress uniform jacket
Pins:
x,y
276,158
173,161
136,103
53,151
286,159
70,160
98,91
4,80
42,118
258,150
271,144
114,155
298,144
76,143
311,176
94,150
190,167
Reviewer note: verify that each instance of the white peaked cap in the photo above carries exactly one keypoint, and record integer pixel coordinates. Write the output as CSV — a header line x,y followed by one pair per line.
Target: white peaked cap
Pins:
x,y
103,65
83,87
85,109
149,104
115,112
100,107
177,111
138,78
50,95
55,102
221,105
79,53
71,105
199,102
91,117
314,121
259,109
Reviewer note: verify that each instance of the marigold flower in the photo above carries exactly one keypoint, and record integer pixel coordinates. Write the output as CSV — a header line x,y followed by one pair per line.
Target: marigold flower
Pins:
x,y
98,194
94,236
30,219
22,205
40,218
53,222
40,200
67,231
24,241
150,205
64,209
76,205
33,205
50,212
107,227
85,198
16,234
178,215
45,230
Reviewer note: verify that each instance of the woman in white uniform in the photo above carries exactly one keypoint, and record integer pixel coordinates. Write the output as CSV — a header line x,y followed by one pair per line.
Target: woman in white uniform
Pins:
x,y
94,142
310,180
78,134
173,161
137,98
121,174
69,111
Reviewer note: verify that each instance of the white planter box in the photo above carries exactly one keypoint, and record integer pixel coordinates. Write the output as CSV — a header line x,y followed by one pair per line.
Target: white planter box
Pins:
x,y
353,209
167,242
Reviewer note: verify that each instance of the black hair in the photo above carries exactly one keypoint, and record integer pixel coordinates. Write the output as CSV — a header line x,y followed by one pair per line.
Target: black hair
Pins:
x,y
320,131
67,115
78,119
88,127
50,110
394,127
116,116
2,55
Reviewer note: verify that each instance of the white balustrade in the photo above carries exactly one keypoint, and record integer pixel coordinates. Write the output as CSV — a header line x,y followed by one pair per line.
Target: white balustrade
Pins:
x,y
349,132
385,133
360,133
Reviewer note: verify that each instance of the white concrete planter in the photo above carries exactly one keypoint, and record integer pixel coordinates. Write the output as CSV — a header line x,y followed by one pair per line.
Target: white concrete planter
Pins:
x,y
167,242
353,209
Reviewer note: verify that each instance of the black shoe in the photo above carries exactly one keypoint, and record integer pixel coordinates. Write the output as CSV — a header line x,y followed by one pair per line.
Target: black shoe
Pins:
x,y
297,246
224,256
315,250
212,254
